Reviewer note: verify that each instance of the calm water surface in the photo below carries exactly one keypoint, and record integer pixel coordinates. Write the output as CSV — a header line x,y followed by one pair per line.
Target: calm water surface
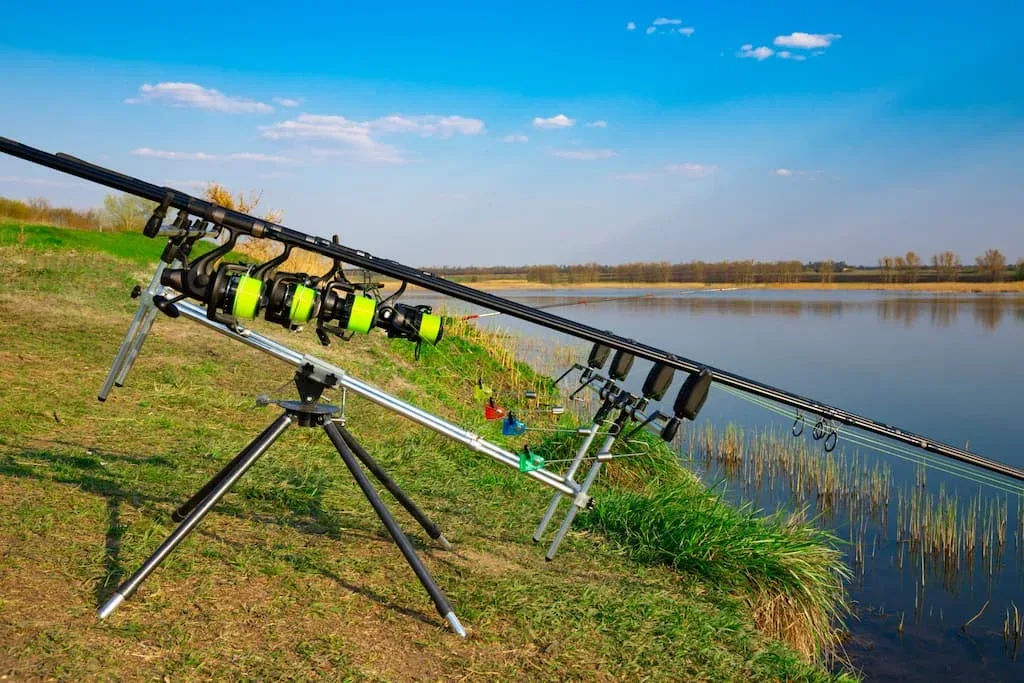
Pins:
x,y
949,367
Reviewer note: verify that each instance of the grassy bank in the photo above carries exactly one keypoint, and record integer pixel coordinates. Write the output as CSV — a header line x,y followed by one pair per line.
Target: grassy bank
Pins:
x,y
292,575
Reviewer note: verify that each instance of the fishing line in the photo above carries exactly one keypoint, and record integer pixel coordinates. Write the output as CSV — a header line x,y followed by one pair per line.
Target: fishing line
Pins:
x,y
902,453
887,448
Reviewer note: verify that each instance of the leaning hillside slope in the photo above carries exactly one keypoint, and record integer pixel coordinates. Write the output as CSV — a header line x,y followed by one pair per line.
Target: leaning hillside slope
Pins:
x,y
292,575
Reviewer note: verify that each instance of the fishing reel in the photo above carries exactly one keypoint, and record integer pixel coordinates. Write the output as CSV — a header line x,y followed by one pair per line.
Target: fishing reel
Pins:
x,y
352,311
415,323
291,301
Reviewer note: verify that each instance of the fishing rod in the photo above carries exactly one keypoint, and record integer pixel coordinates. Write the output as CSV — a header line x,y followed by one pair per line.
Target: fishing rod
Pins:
x,y
600,300
238,223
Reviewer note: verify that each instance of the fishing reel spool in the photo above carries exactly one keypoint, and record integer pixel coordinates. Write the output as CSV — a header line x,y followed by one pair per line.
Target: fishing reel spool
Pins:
x,y
354,311
291,302
234,294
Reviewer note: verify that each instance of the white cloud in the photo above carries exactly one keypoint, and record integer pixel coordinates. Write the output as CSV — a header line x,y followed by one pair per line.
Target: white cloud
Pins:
x,y
598,124
173,156
789,173
357,137
584,154
631,26
267,158
807,41
203,156
197,97
666,25
689,170
426,126
515,137
748,51
558,121
286,102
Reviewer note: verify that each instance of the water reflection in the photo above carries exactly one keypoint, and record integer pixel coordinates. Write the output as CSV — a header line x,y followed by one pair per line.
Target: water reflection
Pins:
x,y
938,311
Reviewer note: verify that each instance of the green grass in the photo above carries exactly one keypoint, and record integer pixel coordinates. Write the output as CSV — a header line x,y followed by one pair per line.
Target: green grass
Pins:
x,y
292,576
133,246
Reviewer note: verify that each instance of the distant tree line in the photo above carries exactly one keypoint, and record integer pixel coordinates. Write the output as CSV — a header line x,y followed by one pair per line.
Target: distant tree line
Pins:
x,y
947,267
119,212
127,212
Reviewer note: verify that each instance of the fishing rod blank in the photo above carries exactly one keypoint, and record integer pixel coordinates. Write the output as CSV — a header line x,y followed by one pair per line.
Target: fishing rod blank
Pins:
x,y
243,223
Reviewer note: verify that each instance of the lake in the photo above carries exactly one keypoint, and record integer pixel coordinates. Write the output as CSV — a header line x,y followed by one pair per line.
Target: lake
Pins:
x,y
946,366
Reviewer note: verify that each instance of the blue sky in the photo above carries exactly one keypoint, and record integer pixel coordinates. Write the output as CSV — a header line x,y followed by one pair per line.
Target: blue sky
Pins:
x,y
464,133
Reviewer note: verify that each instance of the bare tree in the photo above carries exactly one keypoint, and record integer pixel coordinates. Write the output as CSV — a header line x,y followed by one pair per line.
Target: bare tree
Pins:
x,y
827,270
246,203
900,266
913,262
125,211
947,266
992,264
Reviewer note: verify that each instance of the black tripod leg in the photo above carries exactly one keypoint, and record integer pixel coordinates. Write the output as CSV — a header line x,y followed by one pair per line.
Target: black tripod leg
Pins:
x,y
382,476
252,452
444,608
200,495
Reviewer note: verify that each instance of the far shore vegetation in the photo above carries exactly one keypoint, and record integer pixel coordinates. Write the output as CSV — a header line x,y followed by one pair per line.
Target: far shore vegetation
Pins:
x,y
991,271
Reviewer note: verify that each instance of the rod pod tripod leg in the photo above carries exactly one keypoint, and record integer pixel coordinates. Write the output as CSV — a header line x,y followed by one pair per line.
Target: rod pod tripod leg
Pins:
x,y
252,453
306,413
444,608
387,482
371,464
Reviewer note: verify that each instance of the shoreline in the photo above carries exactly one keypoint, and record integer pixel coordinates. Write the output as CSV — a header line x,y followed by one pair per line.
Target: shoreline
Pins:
x,y
1011,287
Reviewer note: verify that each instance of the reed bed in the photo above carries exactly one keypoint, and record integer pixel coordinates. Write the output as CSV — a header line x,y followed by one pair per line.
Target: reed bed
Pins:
x,y
942,535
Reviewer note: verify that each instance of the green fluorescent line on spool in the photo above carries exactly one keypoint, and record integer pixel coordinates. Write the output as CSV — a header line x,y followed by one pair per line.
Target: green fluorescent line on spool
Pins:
x,y
364,310
430,328
302,304
247,297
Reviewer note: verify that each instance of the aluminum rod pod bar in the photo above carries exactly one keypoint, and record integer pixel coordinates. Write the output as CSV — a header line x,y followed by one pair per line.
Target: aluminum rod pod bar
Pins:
x,y
334,377
249,225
